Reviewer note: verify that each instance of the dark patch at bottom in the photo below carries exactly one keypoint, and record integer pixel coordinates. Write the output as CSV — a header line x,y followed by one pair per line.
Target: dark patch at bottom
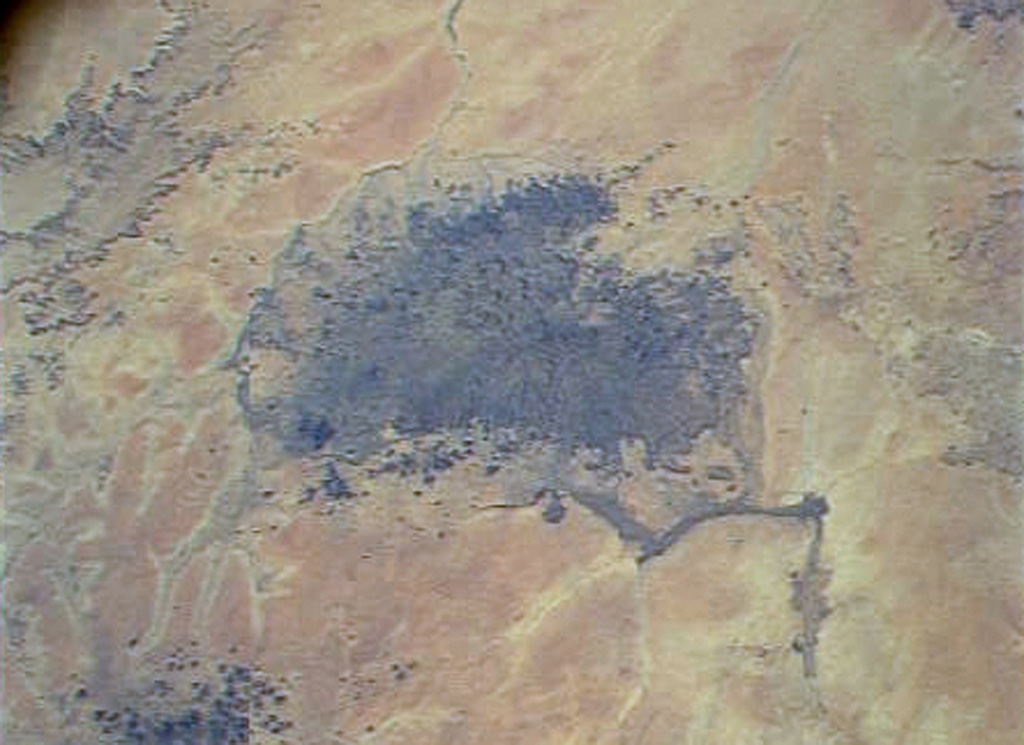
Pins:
x,y
183,702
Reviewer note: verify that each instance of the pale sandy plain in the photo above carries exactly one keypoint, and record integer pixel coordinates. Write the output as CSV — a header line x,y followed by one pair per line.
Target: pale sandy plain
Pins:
x,y
863,160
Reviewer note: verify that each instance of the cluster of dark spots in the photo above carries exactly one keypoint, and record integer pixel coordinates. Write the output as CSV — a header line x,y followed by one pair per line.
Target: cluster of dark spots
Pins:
x,y
663,201
427,457
400,671
255,173
185,701
628,172
552,508
488,317
404,464
440,459
818,261
968,12
264,327
660,201
984,253
50,303
979,383
46,366
366,684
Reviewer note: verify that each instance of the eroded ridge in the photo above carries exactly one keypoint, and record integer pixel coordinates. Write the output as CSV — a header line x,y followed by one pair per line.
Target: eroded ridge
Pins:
x,y
100,173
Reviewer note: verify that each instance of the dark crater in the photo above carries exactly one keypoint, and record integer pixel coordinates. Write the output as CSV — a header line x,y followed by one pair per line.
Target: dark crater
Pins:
x,y
491,318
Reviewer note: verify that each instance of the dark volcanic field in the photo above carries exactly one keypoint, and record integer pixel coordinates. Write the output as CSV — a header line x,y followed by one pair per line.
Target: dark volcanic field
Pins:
x,y
495,313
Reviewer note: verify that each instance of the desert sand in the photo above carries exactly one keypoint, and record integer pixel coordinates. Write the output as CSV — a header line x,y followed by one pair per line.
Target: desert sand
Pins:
x,y
563,372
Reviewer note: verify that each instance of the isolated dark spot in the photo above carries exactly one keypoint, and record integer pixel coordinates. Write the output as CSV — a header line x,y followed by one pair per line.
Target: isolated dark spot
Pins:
x,y
719,473
553,510
334,486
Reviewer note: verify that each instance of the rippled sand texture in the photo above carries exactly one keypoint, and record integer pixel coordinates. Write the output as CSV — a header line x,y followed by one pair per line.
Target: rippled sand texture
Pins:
x,y
605,372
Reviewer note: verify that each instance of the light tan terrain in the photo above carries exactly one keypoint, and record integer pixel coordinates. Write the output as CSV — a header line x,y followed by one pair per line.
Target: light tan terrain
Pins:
x,y
856,166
